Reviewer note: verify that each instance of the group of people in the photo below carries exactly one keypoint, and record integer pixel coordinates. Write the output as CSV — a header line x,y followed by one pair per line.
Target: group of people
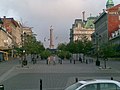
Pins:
x,y
51,59
34,58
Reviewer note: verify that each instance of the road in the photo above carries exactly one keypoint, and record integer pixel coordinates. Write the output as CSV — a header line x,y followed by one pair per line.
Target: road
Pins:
x,y
54,77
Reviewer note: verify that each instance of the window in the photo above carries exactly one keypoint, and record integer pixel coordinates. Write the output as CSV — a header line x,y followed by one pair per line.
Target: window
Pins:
x,y
74,86
90,87
108,86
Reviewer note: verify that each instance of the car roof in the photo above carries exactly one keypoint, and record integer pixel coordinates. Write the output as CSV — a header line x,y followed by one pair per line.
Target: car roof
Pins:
x,y
89,81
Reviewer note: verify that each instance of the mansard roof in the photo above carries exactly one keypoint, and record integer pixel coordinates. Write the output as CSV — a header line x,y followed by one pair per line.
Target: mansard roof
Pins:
x,y
90,22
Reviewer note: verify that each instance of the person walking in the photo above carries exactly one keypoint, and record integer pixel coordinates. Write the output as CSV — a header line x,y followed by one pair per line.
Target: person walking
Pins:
x,y
54,60
48,60
80,59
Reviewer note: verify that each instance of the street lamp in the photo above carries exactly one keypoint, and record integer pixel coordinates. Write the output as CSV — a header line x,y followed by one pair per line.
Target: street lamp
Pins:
x,y
24,61
97,49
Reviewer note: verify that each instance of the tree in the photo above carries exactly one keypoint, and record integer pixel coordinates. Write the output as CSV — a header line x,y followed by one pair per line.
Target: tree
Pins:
x,y
45,54
87,47
61,46
71,47
117,48
64,54
31,45
107,50
78,46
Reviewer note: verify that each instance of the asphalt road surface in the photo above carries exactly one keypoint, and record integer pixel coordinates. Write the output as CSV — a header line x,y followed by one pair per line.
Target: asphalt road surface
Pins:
x,y
54,77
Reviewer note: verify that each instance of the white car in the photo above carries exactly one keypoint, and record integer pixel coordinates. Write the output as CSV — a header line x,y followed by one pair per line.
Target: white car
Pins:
x,y
95,84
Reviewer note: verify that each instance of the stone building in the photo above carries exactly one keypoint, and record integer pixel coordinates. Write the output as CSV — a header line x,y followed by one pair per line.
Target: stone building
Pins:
x,y
114,24
27,30
107,24
82,29
13,28
12,34
16,30
101,29
5,38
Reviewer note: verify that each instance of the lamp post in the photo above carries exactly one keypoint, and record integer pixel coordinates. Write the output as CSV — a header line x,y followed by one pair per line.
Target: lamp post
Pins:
x,y
24,61
97,49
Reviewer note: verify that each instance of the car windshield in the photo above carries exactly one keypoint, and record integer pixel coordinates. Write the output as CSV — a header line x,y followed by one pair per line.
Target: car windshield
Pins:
x,y
74,86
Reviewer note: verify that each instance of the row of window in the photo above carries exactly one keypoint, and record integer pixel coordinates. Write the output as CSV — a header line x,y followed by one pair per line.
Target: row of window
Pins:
x,y
116,33
101,86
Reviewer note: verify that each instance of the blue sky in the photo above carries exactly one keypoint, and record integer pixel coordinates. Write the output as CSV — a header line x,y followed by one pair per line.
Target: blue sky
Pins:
x,y
41,14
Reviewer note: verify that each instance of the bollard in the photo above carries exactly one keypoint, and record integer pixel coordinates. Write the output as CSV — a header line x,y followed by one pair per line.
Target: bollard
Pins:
x,y
1,87
70,60
86,61
40,84
74,61
61,61
97,63
76,79
111,78
46,61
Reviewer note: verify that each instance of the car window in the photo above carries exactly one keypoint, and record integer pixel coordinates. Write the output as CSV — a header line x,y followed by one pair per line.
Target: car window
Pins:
x,y
90,87
74,86
118,88
109,86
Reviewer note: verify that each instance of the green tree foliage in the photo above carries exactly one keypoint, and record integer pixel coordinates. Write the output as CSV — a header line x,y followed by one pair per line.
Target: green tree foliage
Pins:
x,y
71,47
87,46
107,50
61,46
31,45
64,54
45,54
117,49
79,47
65,50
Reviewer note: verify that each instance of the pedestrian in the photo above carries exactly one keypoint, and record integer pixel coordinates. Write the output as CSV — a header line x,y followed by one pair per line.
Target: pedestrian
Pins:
x,y
74,61
33,60
59,60
86,61
54,59
48,60
70,60
37,56
80,59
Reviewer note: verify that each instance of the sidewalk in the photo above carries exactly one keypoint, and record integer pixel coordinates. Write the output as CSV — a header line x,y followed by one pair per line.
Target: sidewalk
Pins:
x,y
65,67
6,67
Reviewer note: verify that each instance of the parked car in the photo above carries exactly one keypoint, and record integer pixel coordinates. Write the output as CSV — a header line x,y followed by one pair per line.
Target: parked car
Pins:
x,y
95,84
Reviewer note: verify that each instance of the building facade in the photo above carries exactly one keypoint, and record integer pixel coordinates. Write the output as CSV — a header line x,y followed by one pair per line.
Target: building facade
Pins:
x,y
114,27
11,35
13,28
107,23
5,40
101,29
82,29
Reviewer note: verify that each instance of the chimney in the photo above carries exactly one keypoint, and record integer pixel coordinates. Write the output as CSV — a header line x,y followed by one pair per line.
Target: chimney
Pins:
x,y
83,15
